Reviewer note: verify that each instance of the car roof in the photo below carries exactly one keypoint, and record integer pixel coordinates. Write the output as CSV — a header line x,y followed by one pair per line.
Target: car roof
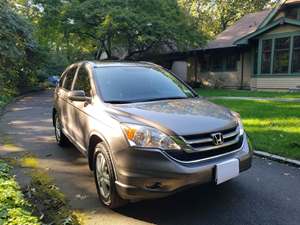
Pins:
x,y
120,63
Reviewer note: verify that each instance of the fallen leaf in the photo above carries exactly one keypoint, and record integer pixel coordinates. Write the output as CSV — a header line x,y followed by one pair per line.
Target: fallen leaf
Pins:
x,y
81,197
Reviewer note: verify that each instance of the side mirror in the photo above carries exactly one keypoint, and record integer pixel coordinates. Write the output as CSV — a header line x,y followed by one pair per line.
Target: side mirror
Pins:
x,y
78,96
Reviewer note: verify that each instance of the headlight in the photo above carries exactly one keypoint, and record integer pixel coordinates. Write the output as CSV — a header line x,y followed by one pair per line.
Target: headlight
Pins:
x,y
148,137
238,119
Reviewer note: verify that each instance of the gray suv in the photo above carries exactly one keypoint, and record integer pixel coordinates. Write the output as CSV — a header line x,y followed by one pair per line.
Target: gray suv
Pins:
x,y
145,132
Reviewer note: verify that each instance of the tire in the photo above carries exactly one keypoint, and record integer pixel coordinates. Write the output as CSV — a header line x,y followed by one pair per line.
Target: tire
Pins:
x,y
105,178
61,139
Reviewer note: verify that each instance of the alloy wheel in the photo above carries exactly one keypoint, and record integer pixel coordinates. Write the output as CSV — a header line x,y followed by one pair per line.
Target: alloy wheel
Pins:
x,y
57,129
103,177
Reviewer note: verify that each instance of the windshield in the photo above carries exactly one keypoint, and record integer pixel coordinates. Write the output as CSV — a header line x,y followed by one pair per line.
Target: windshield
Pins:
x,y
137,84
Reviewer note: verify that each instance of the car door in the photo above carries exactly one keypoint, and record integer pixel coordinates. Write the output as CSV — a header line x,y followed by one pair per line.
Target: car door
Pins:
x,y
82,110
64,102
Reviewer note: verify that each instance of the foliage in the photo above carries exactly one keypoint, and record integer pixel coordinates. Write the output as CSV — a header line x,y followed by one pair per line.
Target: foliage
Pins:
x,y
272,126
4,99
84,29
124,28
19,52
14,210
214,16
49,201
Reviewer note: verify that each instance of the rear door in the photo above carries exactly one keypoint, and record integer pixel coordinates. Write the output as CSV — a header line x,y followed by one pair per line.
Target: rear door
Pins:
x,y
82,110
64,104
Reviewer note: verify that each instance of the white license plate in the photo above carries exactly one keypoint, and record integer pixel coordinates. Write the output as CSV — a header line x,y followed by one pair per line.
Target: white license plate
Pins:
x,y
227,170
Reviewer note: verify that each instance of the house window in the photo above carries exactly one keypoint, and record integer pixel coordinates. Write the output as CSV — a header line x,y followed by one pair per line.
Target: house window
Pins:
x,y
281,55
231,62
292,13
266,56
255,58
219,63
205,62
296,55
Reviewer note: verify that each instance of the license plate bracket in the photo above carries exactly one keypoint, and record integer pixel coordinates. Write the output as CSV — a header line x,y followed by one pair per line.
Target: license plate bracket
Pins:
x,y
227,170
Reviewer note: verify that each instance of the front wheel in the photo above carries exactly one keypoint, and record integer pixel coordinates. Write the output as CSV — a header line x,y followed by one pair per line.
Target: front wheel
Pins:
x,y
105,178
61,139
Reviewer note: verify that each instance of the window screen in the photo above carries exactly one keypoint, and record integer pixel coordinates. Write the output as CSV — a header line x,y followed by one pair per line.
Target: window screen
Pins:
x,y
296,55
266,56
281,55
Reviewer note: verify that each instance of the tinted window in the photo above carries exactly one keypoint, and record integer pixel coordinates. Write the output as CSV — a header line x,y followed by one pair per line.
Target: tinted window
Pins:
x,y
131,84
83,82
69,78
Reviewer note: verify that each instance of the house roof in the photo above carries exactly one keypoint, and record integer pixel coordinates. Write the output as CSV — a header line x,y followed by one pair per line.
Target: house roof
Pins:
x,y
246,25
275,10
291,1
281,21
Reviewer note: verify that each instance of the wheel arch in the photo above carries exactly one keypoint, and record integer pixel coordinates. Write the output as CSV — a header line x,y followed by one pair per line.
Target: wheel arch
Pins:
x,y
94,139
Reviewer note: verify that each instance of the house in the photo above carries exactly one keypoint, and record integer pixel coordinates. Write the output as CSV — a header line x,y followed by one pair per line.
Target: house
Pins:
x,y
259,52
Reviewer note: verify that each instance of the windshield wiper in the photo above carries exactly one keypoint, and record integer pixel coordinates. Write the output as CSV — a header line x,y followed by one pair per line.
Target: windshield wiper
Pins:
x,y
160,99
117,102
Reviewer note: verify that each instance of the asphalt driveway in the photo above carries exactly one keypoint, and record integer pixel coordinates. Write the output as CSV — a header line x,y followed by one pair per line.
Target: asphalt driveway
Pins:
x,y
267,194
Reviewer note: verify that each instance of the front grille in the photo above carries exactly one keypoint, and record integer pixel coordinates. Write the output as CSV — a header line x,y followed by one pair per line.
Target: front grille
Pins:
x,y
204,142
203,145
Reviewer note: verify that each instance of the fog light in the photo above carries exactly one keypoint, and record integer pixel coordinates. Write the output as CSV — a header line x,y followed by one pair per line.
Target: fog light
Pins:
x,y
155,185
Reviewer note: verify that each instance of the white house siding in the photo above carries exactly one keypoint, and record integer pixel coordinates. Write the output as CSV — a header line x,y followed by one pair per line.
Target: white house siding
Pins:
x,y
274,83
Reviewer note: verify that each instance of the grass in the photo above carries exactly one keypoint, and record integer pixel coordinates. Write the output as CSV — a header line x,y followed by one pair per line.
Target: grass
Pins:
x,y
272,126
14,209
49,201
244,93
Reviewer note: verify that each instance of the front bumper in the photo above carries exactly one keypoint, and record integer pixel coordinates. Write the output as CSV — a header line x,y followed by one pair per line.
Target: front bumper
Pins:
x,y
144,174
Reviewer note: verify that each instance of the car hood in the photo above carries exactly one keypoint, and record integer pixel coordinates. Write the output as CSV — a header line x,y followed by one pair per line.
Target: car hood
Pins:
x,y
182,116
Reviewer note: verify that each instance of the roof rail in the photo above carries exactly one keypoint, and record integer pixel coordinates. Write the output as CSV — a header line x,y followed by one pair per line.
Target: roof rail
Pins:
x,y
149,63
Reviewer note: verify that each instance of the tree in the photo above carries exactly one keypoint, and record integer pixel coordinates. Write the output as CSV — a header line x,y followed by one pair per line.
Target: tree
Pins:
x,y
18,49
131,28
214,16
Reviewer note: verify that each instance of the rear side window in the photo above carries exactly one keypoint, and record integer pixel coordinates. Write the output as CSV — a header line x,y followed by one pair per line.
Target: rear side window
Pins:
x,y
83,81
69,78
61,81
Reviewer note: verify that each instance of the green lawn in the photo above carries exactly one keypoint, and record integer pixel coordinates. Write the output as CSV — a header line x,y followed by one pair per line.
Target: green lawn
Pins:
x,y
13,208
272,126
244,93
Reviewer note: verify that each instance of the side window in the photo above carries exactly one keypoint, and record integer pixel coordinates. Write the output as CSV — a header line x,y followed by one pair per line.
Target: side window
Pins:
x,y
61,80
83,82
69,78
